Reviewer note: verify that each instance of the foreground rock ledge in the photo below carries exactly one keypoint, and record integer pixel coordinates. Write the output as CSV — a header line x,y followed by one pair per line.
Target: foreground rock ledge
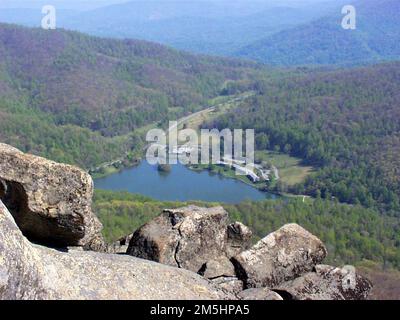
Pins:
x,y
35,272
50,202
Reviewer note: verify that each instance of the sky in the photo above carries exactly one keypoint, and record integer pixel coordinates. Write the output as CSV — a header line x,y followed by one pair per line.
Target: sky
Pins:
x,y
64,4
97,3
88,5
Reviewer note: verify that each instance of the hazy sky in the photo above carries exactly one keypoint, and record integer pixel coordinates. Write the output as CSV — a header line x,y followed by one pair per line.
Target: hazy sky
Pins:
x,y
28,3
65,4
82,5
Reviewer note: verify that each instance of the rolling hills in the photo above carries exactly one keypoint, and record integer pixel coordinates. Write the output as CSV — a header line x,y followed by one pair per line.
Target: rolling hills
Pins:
x,y
201,26
77,99
325,42
283,33
344,122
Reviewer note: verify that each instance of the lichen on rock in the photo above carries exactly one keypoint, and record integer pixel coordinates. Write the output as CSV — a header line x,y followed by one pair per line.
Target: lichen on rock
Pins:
x,y
33,272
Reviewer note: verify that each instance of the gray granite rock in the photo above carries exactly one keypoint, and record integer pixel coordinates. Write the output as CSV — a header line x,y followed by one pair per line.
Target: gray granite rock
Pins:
x,y
259,294
35,272
50,202
327,283
229,284
281,256
239,238
221,267
187,237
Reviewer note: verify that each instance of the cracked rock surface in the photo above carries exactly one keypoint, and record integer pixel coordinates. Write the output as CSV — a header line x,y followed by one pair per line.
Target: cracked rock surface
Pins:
x,y
51,202
188,238
34,272
281,256
283,265
327,283
239,238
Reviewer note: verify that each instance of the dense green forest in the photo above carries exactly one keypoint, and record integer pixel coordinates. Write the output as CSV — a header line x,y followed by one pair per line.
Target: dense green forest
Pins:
x,y
324,41
77,99
344,123
83,100
351,233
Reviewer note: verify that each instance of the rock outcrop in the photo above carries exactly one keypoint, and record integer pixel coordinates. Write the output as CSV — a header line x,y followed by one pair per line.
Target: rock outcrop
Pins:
x,y
281,256
327,283
259,294
50,202
229,284
192,238
239,238
34,272
283,265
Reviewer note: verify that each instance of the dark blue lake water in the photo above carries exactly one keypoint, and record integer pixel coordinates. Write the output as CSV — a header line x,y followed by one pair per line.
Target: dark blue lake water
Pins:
x,y
181,184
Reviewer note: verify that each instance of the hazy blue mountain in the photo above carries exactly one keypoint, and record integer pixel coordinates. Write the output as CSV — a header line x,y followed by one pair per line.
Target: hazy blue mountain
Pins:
x,y
214,27
32,17
76,5
324,41
286,32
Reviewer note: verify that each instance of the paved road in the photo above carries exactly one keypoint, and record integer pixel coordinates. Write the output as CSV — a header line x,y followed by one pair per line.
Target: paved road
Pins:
x,y
179,122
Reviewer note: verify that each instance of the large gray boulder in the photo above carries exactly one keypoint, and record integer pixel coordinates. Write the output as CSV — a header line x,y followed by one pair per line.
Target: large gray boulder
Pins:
x,y
327,283
34,272
50,202
281,256
189,238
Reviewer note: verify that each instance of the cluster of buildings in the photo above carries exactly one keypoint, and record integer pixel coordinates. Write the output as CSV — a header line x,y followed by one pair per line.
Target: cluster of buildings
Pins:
x,y
254,172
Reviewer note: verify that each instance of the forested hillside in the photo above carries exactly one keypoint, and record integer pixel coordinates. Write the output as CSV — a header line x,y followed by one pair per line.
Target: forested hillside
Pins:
x,y
324,41
351,233
345,123
77,99
202,26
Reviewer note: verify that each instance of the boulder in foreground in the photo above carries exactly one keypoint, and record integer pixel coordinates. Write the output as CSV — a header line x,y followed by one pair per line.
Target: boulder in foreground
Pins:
x,y
50,202
281,256
327,283
188,238
31,272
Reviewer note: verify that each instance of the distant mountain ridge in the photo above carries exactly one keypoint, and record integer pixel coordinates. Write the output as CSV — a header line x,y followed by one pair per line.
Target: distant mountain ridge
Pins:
x,y
324,41
211,27
282,33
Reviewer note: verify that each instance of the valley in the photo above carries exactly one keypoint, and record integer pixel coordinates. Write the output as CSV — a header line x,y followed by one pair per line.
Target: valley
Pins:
x,y
324,106
86,115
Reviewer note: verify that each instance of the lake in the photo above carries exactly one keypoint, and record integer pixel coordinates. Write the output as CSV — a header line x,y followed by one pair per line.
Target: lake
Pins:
x,y
181,184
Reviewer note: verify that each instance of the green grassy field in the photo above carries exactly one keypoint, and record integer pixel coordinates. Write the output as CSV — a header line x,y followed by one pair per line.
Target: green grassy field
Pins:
x,y
291,171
